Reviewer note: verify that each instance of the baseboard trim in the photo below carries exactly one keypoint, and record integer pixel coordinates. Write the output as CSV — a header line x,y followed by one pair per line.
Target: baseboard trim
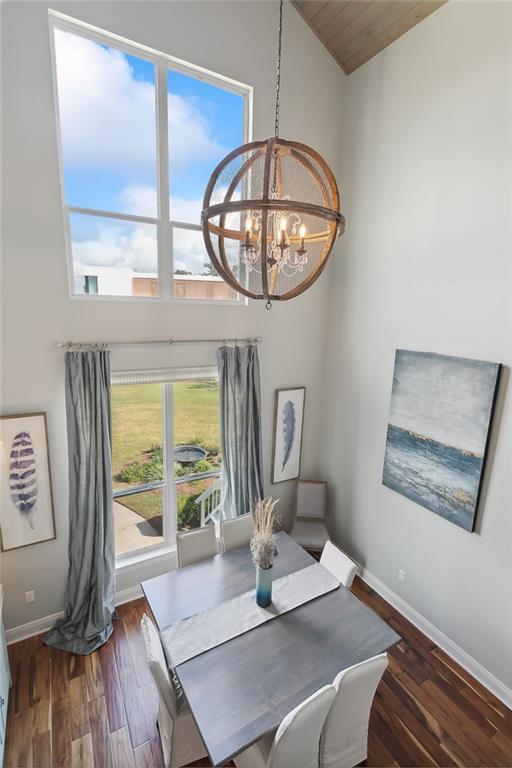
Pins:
x,y
31,628
127,595
458,654
36,627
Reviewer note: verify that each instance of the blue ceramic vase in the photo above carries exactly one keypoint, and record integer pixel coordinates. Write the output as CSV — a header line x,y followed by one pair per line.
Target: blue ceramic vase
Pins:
x,y
264,586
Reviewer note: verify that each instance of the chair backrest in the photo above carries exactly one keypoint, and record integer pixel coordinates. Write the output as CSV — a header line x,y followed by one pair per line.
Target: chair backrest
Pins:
x,y
297,741
311,498
344,737
196,545
158,666
237,532
338,563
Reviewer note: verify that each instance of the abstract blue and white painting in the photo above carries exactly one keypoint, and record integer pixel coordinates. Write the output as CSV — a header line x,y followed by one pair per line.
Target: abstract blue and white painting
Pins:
x,y
439,422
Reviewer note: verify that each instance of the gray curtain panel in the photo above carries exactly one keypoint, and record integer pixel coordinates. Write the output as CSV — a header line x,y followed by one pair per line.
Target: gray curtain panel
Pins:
x,y
240,411
90,588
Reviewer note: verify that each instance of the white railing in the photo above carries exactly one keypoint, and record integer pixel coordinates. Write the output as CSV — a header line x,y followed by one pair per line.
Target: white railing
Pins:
x,y
210,502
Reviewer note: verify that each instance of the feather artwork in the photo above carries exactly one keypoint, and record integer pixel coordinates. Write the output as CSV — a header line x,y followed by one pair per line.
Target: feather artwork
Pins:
x,y
23,476
288,430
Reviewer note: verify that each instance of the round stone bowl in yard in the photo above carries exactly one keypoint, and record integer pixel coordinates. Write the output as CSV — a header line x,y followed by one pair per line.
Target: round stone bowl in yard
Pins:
x,y
189,454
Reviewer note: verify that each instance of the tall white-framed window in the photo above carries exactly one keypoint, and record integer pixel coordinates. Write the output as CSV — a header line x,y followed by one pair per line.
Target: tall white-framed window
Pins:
x,y
139,134
166,457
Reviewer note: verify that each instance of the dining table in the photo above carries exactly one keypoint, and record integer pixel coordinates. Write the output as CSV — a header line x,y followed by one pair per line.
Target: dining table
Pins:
x,y
241,689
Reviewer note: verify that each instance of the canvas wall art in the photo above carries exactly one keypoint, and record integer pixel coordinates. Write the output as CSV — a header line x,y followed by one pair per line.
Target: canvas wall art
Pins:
x,y
439,422
26,514
288,419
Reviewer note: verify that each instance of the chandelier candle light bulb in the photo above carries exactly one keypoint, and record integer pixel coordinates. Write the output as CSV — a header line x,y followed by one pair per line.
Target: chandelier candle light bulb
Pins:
x,y
283,239
248,233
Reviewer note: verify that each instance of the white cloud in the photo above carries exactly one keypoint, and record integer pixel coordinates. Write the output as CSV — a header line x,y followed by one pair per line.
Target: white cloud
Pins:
x,y
189,133
140,200
189,251
186,210
114,246
108,117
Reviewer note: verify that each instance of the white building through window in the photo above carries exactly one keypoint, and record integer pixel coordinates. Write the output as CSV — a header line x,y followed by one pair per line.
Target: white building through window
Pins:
x,y
140,134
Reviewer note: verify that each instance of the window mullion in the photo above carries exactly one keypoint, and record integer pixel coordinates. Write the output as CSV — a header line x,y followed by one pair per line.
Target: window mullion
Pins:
x,y
170,502
164,226
111,214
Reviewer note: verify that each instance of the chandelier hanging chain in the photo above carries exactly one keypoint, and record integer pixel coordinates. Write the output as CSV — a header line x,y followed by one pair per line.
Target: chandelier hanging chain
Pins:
x,y
278,67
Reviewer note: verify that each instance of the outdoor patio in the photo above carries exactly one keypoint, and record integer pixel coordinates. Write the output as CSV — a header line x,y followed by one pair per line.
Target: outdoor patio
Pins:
x,y
132,531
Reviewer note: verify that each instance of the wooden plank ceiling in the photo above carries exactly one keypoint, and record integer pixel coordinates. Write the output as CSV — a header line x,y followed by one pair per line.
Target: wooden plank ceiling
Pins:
x,y
354,31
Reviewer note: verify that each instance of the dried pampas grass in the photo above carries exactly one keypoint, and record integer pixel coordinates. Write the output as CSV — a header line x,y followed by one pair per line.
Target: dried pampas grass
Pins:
x,y
264,540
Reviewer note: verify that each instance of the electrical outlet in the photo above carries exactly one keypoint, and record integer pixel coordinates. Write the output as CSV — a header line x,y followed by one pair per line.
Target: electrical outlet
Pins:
x,y
30,596
401,575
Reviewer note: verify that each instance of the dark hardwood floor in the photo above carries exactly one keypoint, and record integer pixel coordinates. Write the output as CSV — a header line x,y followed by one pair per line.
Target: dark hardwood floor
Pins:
x,y
100,711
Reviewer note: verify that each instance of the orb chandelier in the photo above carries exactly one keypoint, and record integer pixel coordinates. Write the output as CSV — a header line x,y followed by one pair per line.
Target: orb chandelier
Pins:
x,y
271,214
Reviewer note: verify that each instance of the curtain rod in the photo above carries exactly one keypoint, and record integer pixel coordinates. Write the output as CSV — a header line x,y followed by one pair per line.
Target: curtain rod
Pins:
x,y
167,342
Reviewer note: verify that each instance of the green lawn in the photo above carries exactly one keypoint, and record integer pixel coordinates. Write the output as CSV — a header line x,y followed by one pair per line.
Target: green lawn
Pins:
x,y
137,428
136,422
196,412
137,418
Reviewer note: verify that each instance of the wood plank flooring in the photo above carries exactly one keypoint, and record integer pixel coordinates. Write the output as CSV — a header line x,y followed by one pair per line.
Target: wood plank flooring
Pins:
x,y
100,711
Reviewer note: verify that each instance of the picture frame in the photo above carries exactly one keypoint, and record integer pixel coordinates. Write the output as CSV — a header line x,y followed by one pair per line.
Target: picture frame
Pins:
x,y
311,499
288,424
26,505
439,426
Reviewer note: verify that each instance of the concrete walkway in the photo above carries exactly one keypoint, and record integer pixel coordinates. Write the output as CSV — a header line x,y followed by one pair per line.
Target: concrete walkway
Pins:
x,y
132,531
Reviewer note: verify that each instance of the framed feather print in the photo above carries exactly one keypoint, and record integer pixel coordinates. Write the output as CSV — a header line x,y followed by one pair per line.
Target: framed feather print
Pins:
x,y
26,511
288,421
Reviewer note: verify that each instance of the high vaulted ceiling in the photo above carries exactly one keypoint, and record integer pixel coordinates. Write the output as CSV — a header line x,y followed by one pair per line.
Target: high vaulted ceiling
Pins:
x,y
354,31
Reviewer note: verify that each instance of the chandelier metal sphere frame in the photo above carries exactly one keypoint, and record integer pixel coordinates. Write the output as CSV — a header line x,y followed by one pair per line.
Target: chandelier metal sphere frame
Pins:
x,y
271,214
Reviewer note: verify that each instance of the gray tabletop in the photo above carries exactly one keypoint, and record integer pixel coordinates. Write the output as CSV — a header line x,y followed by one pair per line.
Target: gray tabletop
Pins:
x,y
241,690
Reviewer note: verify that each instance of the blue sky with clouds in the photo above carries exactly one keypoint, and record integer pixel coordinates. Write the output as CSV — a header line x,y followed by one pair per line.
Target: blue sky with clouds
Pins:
x,y
108,131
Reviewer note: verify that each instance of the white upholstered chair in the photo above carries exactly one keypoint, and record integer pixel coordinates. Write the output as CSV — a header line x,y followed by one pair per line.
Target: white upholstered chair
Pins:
x,y
309,527
339,564
237,532
196,545
297,740
344,740
181,742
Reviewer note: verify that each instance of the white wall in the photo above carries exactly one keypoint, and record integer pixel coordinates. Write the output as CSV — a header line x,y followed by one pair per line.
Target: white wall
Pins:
x,y
233,39
425,265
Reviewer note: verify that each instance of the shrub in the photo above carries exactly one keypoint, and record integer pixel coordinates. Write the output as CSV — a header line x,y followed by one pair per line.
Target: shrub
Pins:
x,y
130,473
153,469
189,514
149,471
181,470
201,466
